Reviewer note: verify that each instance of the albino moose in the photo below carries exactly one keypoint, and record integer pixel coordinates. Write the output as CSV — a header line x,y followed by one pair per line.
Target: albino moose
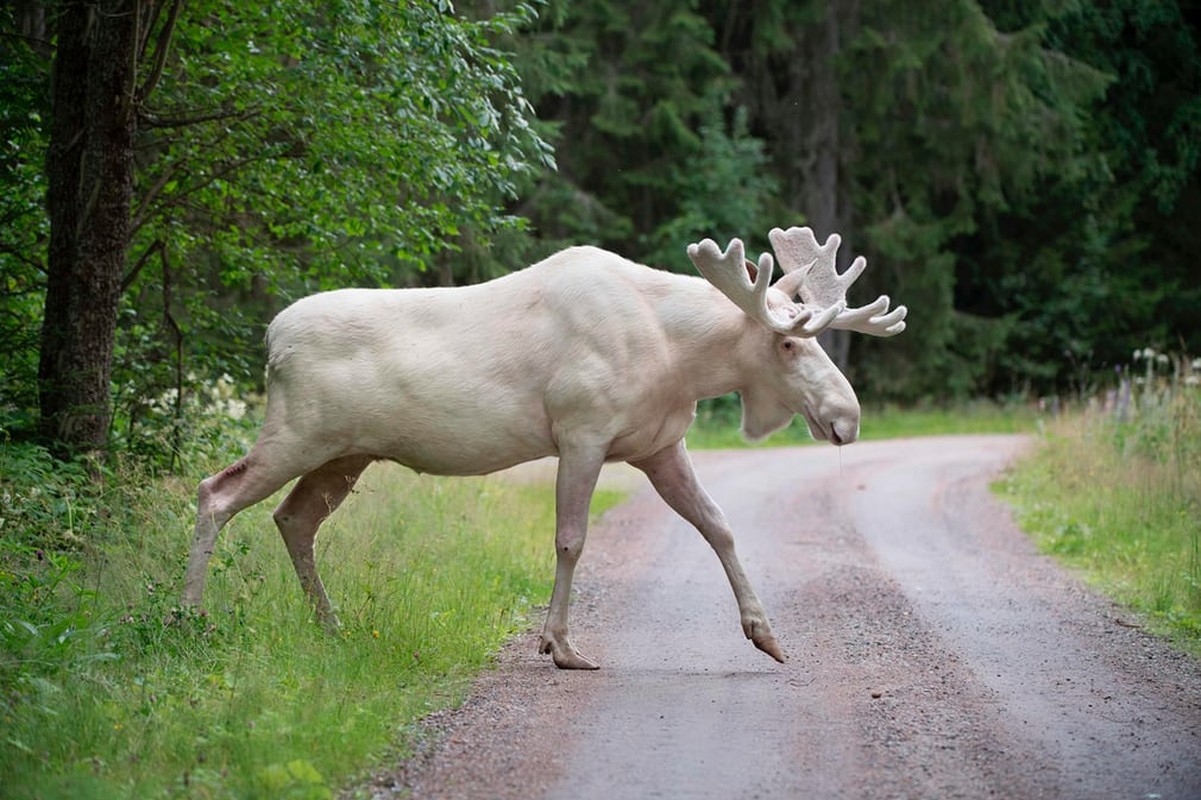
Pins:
x,y
585,356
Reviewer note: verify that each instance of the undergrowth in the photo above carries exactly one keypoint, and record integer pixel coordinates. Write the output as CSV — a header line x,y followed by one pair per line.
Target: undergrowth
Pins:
x,y
108,689
1114,491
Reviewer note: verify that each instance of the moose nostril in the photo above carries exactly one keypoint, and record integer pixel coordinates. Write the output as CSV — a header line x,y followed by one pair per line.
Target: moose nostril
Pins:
x,y
844,432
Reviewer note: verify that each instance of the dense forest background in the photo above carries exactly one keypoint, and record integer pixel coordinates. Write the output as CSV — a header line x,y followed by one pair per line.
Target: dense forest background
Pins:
x,y
1023,174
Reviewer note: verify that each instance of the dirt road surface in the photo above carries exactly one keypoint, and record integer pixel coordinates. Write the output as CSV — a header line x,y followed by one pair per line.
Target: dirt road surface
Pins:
x,y
933,653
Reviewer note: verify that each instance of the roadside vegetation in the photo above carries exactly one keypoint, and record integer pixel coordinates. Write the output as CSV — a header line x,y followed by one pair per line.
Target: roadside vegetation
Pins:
x,y
1114,491
109,689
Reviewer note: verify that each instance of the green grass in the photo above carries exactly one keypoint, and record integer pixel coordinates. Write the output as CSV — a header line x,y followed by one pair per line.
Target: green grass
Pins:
x,y
108,691
718,422
1121,503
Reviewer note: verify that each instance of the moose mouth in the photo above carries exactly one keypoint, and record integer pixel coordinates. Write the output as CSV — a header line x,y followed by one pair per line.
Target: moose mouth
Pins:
x,y
827,433
816,429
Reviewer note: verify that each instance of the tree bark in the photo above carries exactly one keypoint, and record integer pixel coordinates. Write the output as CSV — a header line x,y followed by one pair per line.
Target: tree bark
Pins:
x,y
90,182
795,94
819,187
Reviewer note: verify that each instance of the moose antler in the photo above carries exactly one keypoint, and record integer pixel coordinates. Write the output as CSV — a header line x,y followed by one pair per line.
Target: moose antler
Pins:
x,y
730,272
809,269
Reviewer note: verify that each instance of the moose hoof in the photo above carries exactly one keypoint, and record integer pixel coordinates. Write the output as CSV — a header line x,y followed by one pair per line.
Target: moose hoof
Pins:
x,y
761,636
329,622
769,645
565,655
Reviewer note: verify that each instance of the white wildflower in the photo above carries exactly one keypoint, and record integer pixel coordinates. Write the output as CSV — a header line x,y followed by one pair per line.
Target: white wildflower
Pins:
x,y
165,402
235,409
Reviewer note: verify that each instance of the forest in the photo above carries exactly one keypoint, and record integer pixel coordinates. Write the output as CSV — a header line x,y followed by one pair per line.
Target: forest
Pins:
x,y
1023,174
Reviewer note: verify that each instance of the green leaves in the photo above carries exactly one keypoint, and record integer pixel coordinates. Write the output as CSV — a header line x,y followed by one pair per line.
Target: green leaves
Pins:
x,y
308,147
336,136
723,190
297,780
24,227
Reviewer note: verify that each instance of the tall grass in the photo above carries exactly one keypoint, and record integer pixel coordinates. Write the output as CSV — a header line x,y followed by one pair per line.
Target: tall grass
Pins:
x,y
1114,490
108,690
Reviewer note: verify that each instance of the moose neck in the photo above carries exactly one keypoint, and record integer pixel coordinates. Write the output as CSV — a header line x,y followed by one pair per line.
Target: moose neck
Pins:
x,y
715,343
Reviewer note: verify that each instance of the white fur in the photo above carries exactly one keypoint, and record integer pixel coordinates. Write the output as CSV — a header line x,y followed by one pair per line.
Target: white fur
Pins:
x,y
584,355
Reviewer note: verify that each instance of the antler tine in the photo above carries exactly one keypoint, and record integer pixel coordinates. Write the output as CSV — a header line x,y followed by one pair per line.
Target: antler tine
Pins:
x,y
727,271
872,319
810,271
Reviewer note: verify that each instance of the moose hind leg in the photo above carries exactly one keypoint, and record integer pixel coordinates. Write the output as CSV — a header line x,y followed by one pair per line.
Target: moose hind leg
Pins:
x,y
314,497
218,498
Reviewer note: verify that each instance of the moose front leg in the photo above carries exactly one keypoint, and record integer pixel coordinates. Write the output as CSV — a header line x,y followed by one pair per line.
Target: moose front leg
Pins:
x,y
579,469
671,473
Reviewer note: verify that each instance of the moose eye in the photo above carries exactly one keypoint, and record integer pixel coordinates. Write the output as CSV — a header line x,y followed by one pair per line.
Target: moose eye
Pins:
x,y
789,344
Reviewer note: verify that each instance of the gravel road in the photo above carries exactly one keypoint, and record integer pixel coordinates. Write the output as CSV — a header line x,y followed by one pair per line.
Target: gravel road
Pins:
x,y
933,653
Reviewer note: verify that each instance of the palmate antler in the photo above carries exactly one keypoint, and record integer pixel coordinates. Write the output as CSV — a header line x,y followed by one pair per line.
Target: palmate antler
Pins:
x,y
730,273
809,270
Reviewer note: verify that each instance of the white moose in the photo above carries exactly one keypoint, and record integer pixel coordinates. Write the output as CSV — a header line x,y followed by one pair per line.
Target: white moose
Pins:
x,y
585,355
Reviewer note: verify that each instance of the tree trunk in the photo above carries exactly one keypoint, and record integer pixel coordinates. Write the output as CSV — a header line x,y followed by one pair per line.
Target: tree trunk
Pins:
x,y
818,187
796,95
90,180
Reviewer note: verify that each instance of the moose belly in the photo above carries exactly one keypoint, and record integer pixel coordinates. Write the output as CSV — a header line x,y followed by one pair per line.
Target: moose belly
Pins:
x,y
466,440
651,433
453,431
